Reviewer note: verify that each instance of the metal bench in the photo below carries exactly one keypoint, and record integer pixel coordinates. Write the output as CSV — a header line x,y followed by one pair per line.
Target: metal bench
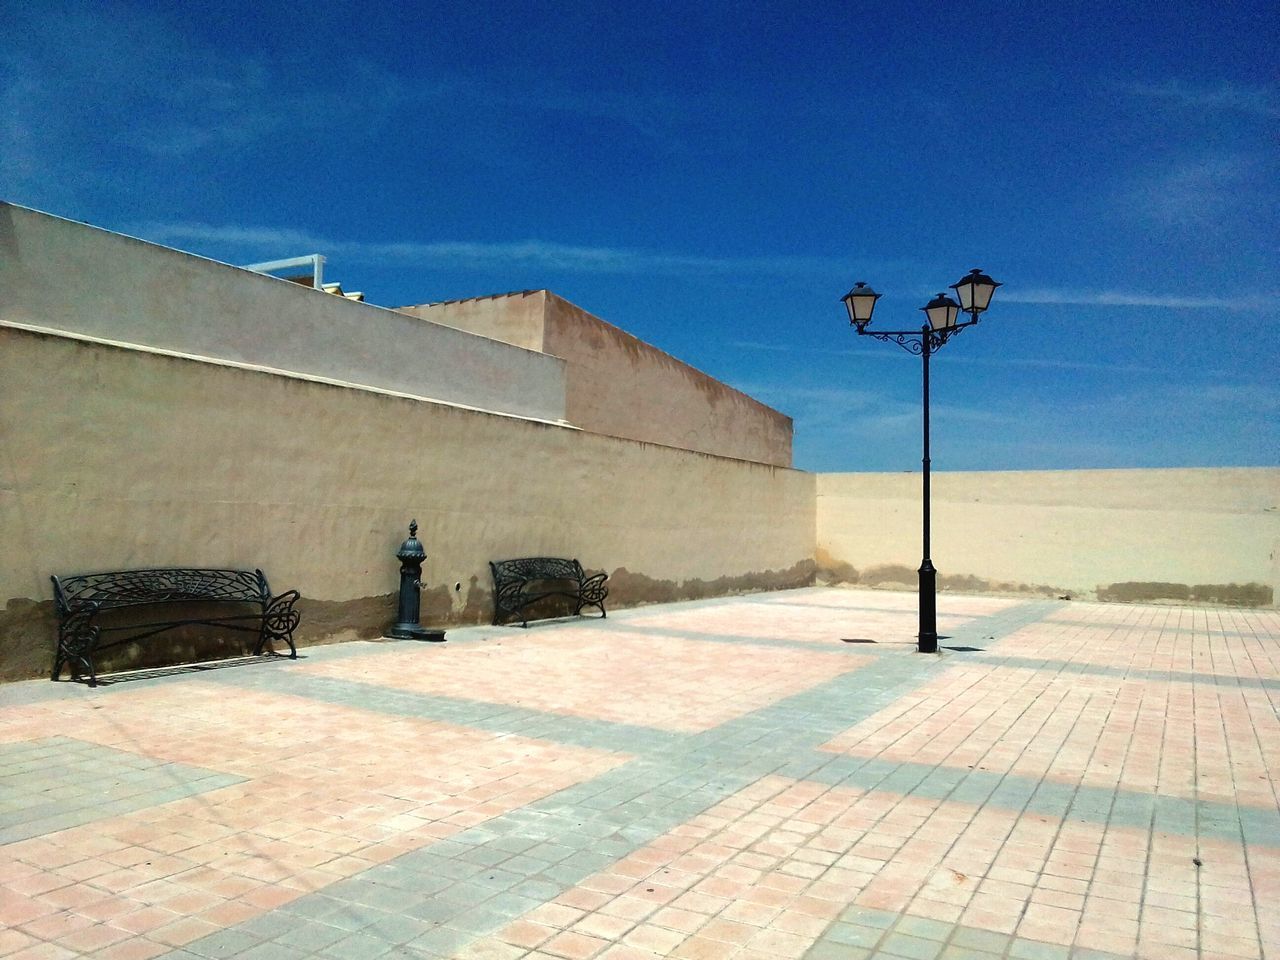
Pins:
x,y
519,584
86,605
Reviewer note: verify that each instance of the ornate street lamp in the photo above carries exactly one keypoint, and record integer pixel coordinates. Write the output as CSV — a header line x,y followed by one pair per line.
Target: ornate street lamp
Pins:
x,y
974,291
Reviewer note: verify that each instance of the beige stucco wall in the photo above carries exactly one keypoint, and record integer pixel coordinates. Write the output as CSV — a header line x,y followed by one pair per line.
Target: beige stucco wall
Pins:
x,y
117,458
516,318
1114,534
69,276
621,386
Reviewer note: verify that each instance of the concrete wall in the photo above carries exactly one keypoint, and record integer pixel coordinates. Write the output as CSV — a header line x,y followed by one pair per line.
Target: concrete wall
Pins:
x,y
116,458
622,387
517,318
1199,534
64,275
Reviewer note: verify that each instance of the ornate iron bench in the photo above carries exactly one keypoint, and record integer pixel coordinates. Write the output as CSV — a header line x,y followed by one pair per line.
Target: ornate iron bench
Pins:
x,y
519,584
81,601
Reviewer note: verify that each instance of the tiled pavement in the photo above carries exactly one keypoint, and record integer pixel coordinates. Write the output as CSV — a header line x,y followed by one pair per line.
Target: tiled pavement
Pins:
x,y
707,780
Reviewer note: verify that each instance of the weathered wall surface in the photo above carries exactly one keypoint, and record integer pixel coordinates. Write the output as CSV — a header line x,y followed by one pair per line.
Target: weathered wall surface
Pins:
x,y
64,275
138,459
516,318
1197,534
623,387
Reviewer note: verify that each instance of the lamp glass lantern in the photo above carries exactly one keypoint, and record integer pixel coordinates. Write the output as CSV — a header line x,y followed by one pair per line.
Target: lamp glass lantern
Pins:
x,y
975,290
861,303
942,312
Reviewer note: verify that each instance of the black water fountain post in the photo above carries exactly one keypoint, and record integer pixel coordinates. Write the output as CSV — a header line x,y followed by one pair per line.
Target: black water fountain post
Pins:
x,y
407,626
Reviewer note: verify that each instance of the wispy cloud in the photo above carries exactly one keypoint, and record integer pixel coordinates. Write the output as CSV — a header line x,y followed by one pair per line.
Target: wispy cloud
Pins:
x,y
1255,101
1155,406
1204,190
96,94
481,255
1119,298
853,412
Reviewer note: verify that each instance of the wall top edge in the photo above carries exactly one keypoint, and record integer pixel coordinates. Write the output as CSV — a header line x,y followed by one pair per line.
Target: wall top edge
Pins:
x,y
488,296
243,273
752,401
268,371
141,349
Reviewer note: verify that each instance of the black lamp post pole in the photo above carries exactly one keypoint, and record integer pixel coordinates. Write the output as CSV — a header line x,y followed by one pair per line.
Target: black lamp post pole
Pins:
x,y
928,636
975,292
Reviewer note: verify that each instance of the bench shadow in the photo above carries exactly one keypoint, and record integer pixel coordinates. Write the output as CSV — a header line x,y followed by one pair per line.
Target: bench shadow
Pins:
x,y
180,669
549,622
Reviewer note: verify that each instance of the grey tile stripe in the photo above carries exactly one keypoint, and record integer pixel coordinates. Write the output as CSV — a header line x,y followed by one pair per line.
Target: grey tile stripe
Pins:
x,y
1176,815
432,901
782,738
480,714
86,782
24,693
997,626
834,646
861,933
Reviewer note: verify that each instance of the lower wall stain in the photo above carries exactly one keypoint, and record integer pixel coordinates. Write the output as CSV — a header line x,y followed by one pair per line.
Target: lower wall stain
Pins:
x,y
900,577
1227,594
336,621
28,628
28,631
478,606
627,589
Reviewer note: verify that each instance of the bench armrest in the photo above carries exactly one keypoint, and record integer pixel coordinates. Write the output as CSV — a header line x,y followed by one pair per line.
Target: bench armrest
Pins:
x,y
593,588
279,620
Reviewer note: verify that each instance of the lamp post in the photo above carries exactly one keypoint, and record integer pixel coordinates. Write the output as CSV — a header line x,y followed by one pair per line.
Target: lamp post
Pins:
x,y
974,291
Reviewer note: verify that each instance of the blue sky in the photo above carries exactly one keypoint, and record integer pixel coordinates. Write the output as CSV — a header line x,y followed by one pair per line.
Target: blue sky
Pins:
x,y
712,177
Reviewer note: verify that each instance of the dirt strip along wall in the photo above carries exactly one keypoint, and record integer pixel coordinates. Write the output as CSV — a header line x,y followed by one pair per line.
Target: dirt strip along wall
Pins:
x,y
1185,535
118,458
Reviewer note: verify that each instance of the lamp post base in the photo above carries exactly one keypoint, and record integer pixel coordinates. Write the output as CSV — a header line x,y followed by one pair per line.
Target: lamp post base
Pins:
x,y
928,636
413,631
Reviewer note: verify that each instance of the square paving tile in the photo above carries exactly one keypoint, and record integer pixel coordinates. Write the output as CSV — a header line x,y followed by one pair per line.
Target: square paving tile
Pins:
x,y
722,778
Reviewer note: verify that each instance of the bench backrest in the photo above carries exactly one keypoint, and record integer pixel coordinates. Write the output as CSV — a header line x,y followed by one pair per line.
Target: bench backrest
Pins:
x,y
535,568
122,588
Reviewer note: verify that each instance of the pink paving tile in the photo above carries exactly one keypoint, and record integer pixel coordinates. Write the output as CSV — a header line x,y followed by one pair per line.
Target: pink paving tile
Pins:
x,y
721,893
818,617
1209,742
863,598
1213,641
253,846
650,680
1073,884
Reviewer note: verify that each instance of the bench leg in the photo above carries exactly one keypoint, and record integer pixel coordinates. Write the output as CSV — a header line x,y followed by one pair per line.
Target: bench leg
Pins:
x,y
77,638
590,603
279,621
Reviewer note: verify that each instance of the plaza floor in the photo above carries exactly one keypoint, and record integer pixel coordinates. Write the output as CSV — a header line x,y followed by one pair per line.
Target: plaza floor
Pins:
x,y
729,778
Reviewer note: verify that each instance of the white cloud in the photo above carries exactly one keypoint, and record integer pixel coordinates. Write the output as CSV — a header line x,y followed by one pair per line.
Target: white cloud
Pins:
x,y
1255,101
1119,298
1205,191
482,255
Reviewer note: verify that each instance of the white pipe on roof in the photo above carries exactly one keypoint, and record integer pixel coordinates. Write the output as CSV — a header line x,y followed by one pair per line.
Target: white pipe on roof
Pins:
x,y
314,260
